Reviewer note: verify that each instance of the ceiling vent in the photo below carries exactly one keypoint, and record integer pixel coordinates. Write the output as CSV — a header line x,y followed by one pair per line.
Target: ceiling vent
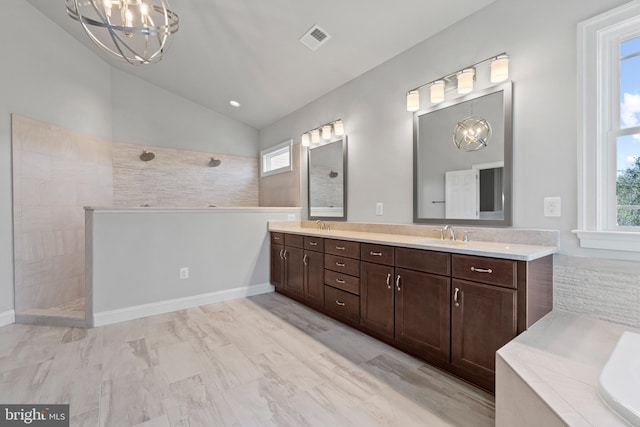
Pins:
x,y
314,38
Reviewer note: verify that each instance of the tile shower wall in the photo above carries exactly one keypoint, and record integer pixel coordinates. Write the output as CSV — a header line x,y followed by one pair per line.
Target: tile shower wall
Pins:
x,y
55,173
181,178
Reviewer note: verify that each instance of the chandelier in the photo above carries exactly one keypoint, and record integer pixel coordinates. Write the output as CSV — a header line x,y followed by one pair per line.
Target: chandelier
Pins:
x,y
135,31
471,134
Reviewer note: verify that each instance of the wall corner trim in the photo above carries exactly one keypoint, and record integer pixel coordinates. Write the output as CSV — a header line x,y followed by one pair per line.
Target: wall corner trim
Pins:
x,y
7,318
136,312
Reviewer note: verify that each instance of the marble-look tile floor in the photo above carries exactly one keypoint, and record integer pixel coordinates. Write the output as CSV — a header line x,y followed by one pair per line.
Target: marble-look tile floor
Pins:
x,y
73,309
259,361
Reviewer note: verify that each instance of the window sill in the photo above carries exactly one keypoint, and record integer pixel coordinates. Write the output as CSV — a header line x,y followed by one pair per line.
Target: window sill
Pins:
x,y
628,241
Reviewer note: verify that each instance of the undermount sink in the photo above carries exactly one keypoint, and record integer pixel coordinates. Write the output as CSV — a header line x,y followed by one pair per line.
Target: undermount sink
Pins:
x,y
437,242
620,379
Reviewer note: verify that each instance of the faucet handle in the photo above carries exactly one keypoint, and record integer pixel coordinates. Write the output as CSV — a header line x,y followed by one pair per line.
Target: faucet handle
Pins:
x,y
466,235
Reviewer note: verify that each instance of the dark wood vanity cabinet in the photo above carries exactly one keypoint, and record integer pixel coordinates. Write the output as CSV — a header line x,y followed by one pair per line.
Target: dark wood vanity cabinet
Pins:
x,y
454,311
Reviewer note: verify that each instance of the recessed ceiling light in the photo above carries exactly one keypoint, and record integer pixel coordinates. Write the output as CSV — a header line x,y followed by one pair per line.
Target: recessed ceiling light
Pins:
x,y
234,103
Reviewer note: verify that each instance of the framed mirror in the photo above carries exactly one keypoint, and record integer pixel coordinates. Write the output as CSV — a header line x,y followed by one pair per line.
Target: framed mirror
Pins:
x,y
454,186
327,181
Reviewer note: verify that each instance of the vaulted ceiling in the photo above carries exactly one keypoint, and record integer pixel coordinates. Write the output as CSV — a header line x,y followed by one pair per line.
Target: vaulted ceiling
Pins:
x,y
248,50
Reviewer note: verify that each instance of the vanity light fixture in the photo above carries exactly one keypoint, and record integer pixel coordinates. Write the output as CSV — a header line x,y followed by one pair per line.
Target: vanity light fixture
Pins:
x,y
134,31
413,100
437,91
462,80
465,80
326,131
500,68
315,136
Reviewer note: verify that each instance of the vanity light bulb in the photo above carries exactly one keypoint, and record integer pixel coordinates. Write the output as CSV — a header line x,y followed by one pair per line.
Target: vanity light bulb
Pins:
x,y
413,100
315,136
437,91
500,69
338,128
326,132
465,81
305,140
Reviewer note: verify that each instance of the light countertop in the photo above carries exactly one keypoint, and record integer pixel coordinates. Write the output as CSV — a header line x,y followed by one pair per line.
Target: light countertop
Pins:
x,y
560,358
514,251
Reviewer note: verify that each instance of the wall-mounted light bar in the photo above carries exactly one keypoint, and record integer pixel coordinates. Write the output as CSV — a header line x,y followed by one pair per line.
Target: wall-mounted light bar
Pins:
x,y
462,80
326,131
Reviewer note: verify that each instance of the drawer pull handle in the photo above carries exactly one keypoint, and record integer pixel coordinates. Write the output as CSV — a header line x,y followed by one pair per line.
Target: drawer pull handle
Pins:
x,y
313,243
342,282
455,297
340,248
340,303
482,270
276,238
375,253
398,283
389,281
340,264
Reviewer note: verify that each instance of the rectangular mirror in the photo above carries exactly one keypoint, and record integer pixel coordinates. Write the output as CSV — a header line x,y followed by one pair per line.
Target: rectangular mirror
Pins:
x,y
327,180
454,186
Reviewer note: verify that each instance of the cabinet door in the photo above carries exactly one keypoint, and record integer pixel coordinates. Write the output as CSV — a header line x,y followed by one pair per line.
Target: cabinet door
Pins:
x,y
277,266
376,298
294,271
422,314
483,319
313,277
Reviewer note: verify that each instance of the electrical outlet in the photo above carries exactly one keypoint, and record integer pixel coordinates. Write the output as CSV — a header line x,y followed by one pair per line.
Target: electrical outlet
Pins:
x,y
552,206
184,273
291,217
379,208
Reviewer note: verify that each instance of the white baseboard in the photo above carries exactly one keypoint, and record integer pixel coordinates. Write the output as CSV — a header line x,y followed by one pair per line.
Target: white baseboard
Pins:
x,y
139,311
7,318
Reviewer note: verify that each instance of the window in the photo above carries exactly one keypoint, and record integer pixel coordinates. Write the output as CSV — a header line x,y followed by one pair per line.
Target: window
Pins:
x,y
609,130
276,159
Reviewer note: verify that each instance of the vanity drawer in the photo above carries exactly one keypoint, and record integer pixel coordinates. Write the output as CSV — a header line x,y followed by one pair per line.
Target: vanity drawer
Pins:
x,y
377,254
342,248
294,240
344,265
425,261
342,304
342,281
493,271
314,243
277,238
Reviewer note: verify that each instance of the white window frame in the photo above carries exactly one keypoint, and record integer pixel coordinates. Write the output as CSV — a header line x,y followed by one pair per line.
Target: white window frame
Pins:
x,y
598,127
286,146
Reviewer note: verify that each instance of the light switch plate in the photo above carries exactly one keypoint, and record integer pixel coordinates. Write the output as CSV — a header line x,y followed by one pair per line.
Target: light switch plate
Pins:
x,y
552,206
379,208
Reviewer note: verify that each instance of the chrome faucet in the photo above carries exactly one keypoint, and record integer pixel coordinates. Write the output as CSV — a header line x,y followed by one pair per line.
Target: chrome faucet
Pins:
x,y
445,229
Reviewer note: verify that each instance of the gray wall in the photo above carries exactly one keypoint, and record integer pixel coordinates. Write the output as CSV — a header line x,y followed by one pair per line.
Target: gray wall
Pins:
x,y
49,76
540,37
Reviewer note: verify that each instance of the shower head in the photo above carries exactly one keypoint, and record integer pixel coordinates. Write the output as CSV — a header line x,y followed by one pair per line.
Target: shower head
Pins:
x,y
146,156
333,174
213,163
